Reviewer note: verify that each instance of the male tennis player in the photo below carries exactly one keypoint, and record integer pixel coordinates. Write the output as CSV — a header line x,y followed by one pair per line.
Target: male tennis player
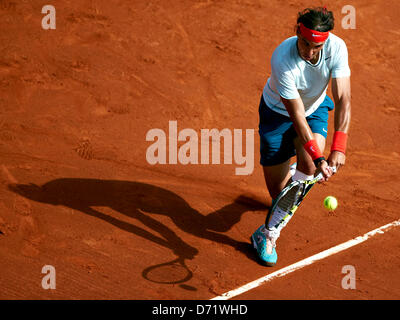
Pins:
x,y
294,113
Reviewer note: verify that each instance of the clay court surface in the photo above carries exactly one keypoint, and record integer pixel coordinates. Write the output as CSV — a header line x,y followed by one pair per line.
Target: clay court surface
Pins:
x,y
76,190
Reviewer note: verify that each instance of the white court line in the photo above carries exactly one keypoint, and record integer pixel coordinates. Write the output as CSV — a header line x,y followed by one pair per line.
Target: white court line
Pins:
x,y
306,262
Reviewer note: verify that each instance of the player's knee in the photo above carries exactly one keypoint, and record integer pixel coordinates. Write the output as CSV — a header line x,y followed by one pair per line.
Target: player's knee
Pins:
x,y
275,190
306,167
274,193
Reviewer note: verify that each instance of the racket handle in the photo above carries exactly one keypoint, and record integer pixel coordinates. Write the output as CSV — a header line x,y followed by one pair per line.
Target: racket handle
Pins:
x,y
320,175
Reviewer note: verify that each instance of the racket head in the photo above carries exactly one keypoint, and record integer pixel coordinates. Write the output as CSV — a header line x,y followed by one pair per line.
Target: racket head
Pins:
x,y
290,197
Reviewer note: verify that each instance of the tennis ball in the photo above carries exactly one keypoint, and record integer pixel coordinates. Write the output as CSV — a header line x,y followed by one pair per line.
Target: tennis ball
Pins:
x,y
330,203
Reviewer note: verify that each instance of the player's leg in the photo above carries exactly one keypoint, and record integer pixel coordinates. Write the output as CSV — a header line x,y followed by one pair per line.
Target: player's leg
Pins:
x,y
276,177
276,149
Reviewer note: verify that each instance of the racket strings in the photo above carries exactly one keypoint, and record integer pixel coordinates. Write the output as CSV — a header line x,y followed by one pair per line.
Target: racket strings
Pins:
x,y
291,198
286,204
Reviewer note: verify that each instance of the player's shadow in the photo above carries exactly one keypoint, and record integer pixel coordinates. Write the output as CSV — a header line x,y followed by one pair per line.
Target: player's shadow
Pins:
x,y
140,201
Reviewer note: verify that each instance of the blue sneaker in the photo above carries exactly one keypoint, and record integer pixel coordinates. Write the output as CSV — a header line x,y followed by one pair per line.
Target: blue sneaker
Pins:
x,y
265,246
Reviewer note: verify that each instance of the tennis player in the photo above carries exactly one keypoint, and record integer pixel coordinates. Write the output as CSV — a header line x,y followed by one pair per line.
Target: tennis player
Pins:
x,y
294,109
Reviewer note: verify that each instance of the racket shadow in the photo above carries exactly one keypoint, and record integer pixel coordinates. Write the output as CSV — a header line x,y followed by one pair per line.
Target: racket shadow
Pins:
x,y
143,202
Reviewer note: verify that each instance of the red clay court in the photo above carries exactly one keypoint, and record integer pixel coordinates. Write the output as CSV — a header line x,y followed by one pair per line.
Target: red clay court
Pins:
x,y
76,190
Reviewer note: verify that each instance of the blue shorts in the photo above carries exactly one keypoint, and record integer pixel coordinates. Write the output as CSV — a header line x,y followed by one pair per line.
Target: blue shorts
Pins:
x,y
277,132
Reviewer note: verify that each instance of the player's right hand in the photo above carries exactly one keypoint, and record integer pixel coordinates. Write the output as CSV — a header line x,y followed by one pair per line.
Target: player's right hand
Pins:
x,y
325,169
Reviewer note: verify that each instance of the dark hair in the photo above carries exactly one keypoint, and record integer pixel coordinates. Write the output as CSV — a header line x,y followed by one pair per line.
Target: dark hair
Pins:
x,y
318,19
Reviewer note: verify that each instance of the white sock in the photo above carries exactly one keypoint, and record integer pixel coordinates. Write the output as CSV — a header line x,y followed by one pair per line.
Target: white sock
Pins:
x,y
276,218
293,168
298,175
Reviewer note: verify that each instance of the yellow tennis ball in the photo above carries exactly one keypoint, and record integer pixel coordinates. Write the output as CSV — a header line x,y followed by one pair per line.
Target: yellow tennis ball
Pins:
x,y
330,203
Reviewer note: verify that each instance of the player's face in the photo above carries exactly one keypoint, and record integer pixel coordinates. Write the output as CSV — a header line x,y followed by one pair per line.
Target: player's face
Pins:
x,y
308,50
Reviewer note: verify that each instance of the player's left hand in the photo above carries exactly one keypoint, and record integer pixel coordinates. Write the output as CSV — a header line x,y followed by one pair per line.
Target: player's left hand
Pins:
x,y
336,159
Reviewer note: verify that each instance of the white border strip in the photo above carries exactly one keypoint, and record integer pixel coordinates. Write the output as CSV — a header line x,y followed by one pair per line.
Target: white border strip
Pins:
x,y
306,262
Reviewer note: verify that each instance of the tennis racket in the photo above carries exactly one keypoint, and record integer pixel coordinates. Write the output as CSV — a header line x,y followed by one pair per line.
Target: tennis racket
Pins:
x,y
289,199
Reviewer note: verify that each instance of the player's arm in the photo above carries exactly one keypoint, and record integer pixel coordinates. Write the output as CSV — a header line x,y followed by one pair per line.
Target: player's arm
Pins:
x,y
295,108
341,92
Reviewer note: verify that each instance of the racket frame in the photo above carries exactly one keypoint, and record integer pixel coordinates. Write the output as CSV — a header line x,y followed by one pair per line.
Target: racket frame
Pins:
x,y
307,187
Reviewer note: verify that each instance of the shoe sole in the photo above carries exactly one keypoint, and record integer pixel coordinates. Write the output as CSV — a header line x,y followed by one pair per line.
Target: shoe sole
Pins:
x,y
268,264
